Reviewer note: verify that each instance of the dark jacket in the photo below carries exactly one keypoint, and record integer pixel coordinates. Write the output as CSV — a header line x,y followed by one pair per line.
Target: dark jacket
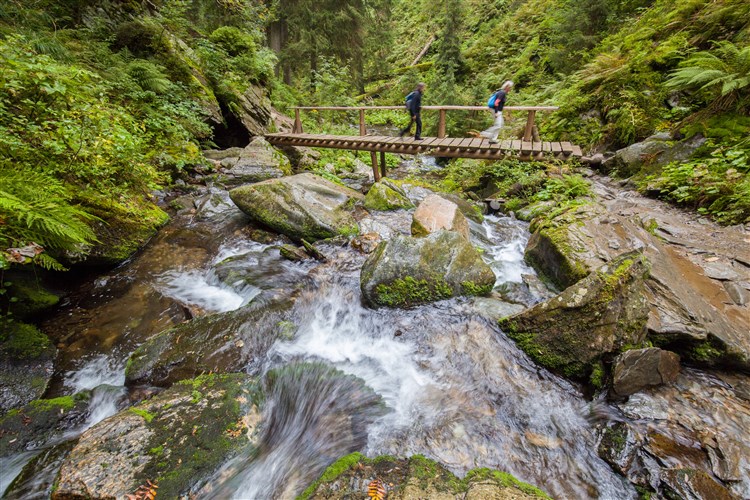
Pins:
x,y
415,103
500,100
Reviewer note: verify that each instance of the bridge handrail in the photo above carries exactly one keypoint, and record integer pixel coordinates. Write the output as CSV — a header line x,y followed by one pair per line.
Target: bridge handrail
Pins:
x,y
527,136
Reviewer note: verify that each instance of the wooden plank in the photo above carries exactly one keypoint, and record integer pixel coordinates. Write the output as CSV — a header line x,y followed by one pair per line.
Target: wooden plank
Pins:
x,y
465,143
516,145
430,141
476,143
441,142
454,143
577,151
546,147
525,147
536,147
506,145
556,148
567,147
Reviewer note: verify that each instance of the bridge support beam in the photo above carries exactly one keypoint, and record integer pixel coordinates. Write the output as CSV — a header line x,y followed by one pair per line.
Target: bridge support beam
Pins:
x,y
382,164
375,169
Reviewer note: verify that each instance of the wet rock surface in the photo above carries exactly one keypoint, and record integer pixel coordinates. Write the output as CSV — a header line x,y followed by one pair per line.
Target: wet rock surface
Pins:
x,y
223,342
258,161
435,213
358,477
699,270
26,365
638,368
599,315
173,440
302,206
386,196
407,271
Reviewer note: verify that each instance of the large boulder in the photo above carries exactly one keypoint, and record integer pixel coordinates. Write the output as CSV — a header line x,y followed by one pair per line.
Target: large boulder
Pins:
x,y
654,151
699,271
639,368
303,206
406,271
598,316
172,441
253,110
26,364
356,476
225,342
436,213
256,162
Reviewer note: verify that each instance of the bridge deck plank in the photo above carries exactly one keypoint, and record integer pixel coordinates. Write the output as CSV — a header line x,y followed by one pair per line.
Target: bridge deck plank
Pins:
x,y
556,148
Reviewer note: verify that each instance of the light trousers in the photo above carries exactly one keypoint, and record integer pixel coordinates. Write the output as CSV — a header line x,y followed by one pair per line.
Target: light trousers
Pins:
x,y
492,132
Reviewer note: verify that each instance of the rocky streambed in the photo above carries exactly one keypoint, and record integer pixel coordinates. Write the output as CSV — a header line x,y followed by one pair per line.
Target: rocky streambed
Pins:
x,y
239,355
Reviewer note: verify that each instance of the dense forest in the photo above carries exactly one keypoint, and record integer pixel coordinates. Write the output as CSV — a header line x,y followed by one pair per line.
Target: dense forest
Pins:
x,y
109,107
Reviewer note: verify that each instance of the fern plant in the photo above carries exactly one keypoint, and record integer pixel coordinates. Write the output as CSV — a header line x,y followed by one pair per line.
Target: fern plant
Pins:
x,y
148,76
725,71
34,208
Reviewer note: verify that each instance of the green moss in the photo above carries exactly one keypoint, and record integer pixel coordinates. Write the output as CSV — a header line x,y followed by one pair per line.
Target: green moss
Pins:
x,y
597,375
382,197
65,403
545,355
505,480
24,341
332,472
157,450
705,352
148,417
350,231
409,291
472,288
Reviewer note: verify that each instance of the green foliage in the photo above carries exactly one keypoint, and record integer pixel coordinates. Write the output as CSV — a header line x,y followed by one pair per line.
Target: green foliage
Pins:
x,y
724,72
407,292
233,41
23,341
718,185
148,76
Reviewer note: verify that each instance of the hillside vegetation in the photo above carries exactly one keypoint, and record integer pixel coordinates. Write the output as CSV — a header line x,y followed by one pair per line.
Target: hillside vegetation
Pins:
x,y
103,102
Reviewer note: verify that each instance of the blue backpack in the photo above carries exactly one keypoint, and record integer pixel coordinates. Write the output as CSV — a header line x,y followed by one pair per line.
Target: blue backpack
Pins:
x,y
492,99
409,97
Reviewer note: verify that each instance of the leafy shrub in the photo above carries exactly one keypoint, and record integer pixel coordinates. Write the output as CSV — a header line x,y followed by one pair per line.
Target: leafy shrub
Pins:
x,y
233,41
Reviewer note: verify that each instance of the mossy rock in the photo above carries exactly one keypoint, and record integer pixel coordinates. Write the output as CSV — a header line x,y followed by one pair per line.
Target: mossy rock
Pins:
x,y
593,319
224,342
383,197
303,206
26,364
417,477
406,271
39,420
174,440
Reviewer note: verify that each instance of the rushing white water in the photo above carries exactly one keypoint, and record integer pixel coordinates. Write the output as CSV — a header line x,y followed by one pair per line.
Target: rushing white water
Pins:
x,y
11,466
202,288
455,388
503,240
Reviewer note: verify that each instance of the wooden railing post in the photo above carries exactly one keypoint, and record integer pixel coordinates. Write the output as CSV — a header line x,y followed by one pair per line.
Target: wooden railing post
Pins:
x,y
441,124
529,125
297,122
362,128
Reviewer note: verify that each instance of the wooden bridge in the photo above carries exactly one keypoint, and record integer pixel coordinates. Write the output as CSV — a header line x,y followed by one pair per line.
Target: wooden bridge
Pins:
x,y
529,147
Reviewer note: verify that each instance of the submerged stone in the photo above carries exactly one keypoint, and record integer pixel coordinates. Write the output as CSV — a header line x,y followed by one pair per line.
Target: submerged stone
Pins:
x,y
303,206
597,316
406,271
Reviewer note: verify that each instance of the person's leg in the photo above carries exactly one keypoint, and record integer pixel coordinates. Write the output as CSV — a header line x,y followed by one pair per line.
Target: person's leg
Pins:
x,y
407,130
418,133
499,122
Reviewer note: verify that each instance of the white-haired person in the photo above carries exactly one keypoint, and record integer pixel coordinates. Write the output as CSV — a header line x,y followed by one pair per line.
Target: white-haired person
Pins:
x,y
496,104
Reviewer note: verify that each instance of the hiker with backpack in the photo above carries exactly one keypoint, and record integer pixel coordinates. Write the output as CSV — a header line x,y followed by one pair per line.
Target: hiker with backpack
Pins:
x,y
496,103
414,106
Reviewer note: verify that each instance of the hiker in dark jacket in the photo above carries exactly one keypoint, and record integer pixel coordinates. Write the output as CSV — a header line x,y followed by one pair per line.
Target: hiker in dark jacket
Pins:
x,y
415,108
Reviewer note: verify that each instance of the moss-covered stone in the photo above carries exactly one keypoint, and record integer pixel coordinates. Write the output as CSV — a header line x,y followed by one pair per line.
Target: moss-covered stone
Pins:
x,y
38,421
573,332
416,477
383,197
303,206
405,271
31,298
173,440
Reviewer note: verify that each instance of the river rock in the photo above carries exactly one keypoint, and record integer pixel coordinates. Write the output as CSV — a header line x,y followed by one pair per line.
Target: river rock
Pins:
x,y
301,158
436,213
37,478
173,440
34,424
225,342
639,368
654,151
303,206
264,270
406,271
353,476
383,197
253,109
597,316
690,312
258,161
26,364
691,483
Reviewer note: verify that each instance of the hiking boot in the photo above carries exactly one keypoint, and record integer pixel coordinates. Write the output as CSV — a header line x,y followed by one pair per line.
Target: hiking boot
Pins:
x,y
418,139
